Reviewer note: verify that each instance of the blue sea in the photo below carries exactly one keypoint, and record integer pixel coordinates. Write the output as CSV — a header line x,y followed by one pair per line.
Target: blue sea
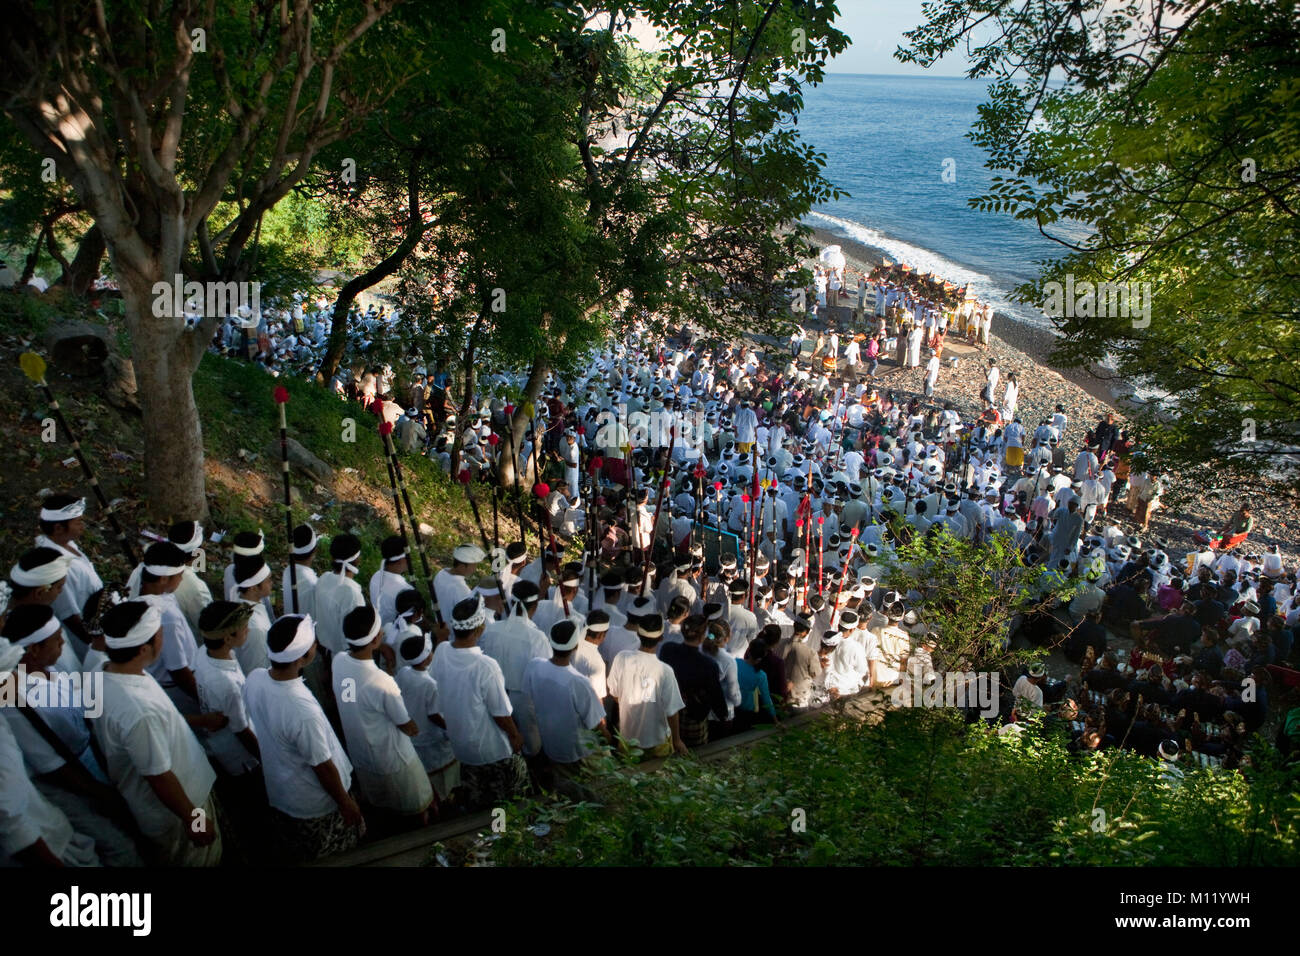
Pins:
x,y
887,142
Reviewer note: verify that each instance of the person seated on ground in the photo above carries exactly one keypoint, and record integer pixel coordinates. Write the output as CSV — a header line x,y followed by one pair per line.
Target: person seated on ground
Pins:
x,y
1170,633
1106,676
1202,700
1148,731
1087,633
1150,685
1207,655
1125,603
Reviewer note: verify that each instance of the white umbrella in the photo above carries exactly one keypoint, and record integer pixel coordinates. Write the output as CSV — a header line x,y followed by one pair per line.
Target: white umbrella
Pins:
x,y
832,256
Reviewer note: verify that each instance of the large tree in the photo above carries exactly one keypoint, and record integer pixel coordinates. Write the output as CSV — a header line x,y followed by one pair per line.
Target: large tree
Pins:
x,y
686,165
1171,131
157,114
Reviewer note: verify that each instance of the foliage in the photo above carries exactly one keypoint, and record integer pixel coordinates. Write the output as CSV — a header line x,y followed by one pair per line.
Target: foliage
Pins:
x,y
969,593
1171,133
920,788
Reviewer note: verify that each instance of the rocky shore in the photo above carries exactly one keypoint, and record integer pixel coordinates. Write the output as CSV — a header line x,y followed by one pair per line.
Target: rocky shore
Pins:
x,y
1024,349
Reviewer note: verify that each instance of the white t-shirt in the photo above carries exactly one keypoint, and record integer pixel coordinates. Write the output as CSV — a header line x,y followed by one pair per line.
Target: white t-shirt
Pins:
x,y
142,734
565,708
307,579
26,816
384,588
512,643
221,689
449,590
420,694
586,660
180,648
294,737
252,653
647,694
472,691
82,580
371,709
335,596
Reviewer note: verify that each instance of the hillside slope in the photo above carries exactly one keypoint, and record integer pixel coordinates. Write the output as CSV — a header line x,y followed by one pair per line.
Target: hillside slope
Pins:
x,y
240,435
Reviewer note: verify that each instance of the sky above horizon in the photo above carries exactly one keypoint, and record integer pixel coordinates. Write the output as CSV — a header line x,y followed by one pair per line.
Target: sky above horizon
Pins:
x,y
876,28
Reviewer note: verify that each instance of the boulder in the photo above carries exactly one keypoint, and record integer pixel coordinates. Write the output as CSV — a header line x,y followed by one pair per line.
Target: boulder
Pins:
x,y
301,459
356,514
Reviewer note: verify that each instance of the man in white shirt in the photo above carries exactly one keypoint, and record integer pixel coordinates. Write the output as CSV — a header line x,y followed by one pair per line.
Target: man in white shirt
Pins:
x,y
306,770
299,571
646,691
225,626
449,585
62,523
173,668
337,593
253,583
586,659
565,707
153,757
1028,687
376,724
246,544
33,831
512,643
477,710
388,582
420,694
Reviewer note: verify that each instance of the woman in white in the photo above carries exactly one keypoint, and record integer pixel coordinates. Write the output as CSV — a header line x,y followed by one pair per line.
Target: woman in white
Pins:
x,y
1010,397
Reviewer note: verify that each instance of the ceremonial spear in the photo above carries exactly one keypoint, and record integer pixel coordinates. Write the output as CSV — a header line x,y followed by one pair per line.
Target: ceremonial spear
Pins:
x,y
33,367
465,478
281,397
386,432
663,493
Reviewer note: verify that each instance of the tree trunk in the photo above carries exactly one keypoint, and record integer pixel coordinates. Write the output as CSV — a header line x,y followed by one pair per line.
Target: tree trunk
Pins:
x,y
165,356
519,424
84,268
416,227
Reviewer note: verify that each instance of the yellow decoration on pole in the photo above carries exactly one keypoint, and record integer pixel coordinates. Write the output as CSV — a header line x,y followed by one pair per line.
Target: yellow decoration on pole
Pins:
x,y
33,366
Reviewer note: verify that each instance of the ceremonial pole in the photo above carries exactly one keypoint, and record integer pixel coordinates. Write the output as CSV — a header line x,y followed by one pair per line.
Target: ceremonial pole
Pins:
x,y
386,431
821,544
281,396
664,483
33,367
465,477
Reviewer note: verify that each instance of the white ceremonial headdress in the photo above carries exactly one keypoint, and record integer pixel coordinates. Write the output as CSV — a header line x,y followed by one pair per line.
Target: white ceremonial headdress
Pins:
x,y
144,629
67,513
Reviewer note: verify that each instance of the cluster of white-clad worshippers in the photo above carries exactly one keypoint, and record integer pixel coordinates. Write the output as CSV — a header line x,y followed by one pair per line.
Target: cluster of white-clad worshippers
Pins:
x,y
744,518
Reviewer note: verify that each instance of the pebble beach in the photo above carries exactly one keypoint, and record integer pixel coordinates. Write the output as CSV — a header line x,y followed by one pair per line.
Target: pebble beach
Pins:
x,y
1023,348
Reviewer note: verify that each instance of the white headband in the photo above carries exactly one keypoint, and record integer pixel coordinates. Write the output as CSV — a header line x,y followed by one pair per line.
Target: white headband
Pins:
x,y
260,575
66,513
363,641
303,639
425,651
48,629
249,552
477,619
347,565
144,629
308,547
42,574
194,543
164,570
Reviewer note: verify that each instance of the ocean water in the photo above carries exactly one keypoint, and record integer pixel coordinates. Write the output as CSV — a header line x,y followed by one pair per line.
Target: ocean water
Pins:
x,y
888,141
